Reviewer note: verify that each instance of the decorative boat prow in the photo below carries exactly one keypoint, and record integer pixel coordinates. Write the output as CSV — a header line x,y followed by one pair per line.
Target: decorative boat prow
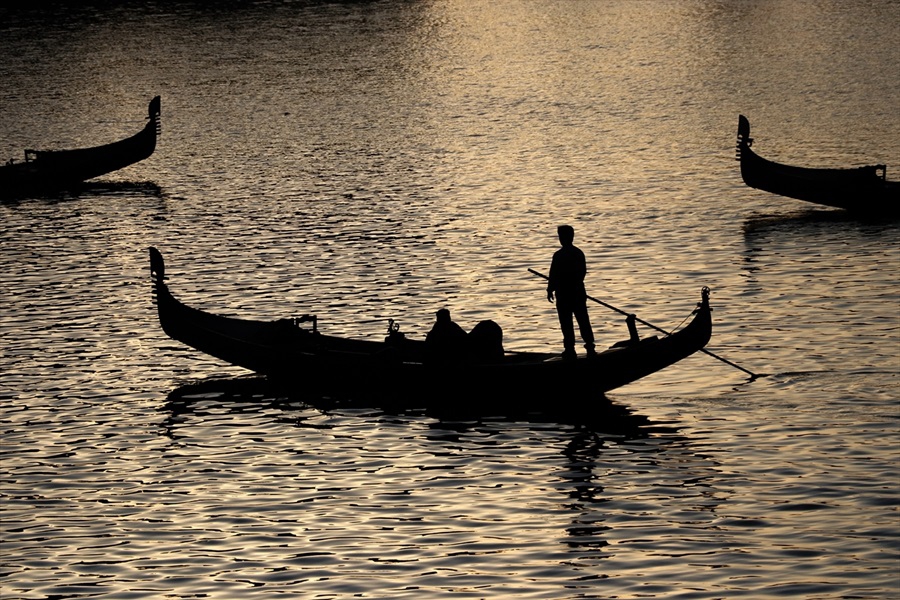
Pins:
x,y
743,134
154,109
157,266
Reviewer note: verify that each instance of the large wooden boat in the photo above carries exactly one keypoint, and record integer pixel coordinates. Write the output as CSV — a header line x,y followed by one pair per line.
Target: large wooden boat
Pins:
x,y
294,352
861,189
50,170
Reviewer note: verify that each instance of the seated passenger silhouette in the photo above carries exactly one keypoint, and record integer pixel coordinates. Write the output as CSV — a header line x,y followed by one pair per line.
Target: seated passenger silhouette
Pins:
x,y
446,342
486,342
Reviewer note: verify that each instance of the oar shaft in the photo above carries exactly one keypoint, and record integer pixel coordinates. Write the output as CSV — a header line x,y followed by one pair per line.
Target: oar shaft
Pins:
x,y
728,362
609,306
652,326
602,303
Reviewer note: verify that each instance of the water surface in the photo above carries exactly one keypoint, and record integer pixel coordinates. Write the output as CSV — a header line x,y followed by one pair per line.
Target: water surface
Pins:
x,y
374,160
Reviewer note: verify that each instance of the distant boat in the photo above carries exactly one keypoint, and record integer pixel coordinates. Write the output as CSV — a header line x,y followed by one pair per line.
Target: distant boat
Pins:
x,y
399,369
50,170
861,189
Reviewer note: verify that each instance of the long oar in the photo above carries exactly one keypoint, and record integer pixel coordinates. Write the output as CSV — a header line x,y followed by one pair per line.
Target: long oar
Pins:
x,y
652,326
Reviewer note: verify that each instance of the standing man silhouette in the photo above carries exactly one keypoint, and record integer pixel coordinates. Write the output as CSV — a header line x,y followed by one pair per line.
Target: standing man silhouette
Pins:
x,y
566,281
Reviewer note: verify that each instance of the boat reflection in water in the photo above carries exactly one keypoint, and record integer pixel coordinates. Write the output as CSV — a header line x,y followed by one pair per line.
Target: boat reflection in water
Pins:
x,y
591,480
253,392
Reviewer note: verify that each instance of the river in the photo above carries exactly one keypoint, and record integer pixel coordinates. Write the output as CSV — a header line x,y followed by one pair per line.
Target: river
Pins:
x,y
367,161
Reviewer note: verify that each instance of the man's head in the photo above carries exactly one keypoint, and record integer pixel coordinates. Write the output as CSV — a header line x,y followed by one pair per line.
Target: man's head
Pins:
x,y
443,315
566,234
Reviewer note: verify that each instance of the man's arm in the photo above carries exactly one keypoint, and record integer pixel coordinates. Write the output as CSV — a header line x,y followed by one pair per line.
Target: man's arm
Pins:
x,y
551,279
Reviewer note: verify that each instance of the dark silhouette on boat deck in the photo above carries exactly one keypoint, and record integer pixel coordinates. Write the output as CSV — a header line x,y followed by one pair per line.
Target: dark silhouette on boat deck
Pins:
x,y
447,342
567,271
485,342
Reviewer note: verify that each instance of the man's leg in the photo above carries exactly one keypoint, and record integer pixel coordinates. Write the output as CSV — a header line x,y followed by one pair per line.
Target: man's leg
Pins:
x,y
565,324
584,327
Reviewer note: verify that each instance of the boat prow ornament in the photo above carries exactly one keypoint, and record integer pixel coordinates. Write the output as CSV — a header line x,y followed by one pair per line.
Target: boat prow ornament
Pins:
x,y
704,299
157,265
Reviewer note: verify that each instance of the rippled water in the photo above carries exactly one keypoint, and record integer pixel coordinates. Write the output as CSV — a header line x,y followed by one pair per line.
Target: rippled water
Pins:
x,y
376,160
